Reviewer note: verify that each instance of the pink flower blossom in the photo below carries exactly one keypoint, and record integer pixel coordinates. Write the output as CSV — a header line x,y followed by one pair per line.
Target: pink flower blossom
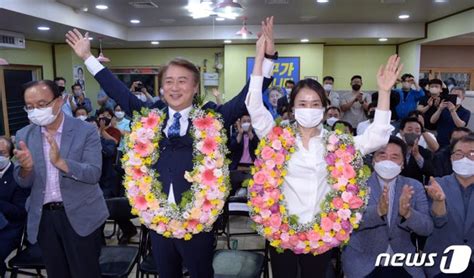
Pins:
x,y
346,196
208,177
326,224
275,220
140,202
203,123
209,146
344,213
276,145
355,202
270,164
259,177
151,121
349,172
333,139
279,159
337,202
143,147
267,153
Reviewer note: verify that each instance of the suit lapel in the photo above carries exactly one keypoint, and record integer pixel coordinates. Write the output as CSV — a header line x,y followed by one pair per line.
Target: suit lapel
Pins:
x,y
66,137
35,144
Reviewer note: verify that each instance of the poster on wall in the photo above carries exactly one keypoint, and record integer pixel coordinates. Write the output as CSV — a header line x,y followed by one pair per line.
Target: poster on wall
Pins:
x,y
285,68
78,75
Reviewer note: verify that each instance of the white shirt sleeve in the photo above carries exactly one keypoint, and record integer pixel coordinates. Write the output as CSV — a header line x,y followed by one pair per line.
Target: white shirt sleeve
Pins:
x,y
376,135
93,65
262,120
267,68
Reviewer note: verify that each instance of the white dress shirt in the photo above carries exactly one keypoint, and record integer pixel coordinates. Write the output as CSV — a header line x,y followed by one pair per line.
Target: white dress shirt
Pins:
x,y
304,199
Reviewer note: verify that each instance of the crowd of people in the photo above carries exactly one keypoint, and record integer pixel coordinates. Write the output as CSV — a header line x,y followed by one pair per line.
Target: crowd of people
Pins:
x,y
413,135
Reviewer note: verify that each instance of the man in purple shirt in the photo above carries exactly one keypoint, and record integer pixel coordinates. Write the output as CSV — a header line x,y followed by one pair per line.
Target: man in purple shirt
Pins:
x,y
58,157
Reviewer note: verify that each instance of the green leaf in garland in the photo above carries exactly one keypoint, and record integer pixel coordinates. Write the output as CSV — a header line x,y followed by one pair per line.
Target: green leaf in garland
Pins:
x,y
340,127
186,198
293,219
246,182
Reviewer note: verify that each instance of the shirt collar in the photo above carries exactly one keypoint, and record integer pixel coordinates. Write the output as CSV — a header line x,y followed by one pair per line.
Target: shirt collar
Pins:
x,y
60,128
184,113
5,170
390,183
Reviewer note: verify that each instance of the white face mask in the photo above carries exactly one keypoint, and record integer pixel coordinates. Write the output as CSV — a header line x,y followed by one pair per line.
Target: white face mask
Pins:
x,y
458,101
4,162
331,121
82,118
434,91
327,87
309,117
246,126
387,169
464,167
141,97
120,114
42,117
288,90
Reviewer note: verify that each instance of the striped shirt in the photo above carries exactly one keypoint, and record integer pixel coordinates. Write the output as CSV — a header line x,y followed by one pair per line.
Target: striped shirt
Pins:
x,y
52,191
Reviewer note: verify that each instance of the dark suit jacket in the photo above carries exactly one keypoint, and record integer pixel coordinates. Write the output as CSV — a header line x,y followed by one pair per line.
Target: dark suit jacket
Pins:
x,y
442,162
176,154
412,170
237,149
12,211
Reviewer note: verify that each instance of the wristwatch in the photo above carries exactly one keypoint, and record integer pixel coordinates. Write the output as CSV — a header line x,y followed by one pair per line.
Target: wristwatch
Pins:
x,y
272,57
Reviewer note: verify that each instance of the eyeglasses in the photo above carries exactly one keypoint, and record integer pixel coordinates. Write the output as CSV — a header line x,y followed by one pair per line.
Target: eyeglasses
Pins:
x,y
42,105
457,155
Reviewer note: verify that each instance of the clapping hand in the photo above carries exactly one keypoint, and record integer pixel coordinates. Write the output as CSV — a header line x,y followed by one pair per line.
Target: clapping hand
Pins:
x,y
382,208
24,157
405,198
79,43
435,191
387,75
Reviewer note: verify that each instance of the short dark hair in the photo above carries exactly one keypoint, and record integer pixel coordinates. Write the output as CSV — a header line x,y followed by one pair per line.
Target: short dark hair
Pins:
x,y
460,129
436,81
289,81
9,144
458,88
415,114
399,142
328,78
48,83
75,85
356,77
104,109
80,108
465,139
423,82
333,108
117,105
405,121
59,78
406,76
310,84
372,105
181,62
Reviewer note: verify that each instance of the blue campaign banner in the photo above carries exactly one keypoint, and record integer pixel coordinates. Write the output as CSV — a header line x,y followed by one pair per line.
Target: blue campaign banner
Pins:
x,y
285,68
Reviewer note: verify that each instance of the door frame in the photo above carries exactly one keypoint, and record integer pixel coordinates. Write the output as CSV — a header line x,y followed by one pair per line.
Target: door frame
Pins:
x,y
37,73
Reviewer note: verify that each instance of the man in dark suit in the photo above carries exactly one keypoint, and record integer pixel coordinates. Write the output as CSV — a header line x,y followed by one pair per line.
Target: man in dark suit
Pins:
x,y
442,158
12,204
59,159
180,83
419,161
284,101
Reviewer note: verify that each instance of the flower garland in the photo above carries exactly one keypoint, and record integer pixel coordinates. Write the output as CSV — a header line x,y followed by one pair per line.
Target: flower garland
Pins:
x,y
201,205
341,210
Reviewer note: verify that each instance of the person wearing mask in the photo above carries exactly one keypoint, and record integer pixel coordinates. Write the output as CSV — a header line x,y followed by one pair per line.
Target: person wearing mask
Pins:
x,y
427,139
450,83
68,106
452,208
442,158
284,101
355,104
430,102
140,91
409,94
275,93
123,125
397,208
106,128
180,83
12,204
328,84
81,113
332,115
305,183
419,161
80,100
450,115
243,144
57,159
362,126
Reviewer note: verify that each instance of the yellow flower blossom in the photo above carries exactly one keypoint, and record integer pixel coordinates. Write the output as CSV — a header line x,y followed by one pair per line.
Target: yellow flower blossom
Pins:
x,y
187,236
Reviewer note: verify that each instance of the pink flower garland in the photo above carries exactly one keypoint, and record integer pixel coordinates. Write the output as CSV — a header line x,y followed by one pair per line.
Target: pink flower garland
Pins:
x,y
209,177
341,210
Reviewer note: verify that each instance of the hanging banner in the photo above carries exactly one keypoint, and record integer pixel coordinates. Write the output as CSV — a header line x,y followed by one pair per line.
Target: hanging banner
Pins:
x,y
285,68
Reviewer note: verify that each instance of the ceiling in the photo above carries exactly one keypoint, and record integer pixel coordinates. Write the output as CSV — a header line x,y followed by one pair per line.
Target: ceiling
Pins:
x,y
467,39
338,22
173,12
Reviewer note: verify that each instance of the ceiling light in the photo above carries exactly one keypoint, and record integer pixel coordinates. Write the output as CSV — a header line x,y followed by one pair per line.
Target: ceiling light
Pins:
x,y
304,40
91,38
101,7
322,1
220,18
155,42
43,28
228,6
244,32
227,41
441,1
404,16
200,9
3,62
383,39
134,21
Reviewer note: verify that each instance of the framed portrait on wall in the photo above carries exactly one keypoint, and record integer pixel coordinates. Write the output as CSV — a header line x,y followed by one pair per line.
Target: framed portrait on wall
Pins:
x,y
78,75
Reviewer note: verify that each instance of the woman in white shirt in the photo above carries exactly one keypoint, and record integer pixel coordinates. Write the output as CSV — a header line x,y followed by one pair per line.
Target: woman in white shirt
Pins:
x,y
306,182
